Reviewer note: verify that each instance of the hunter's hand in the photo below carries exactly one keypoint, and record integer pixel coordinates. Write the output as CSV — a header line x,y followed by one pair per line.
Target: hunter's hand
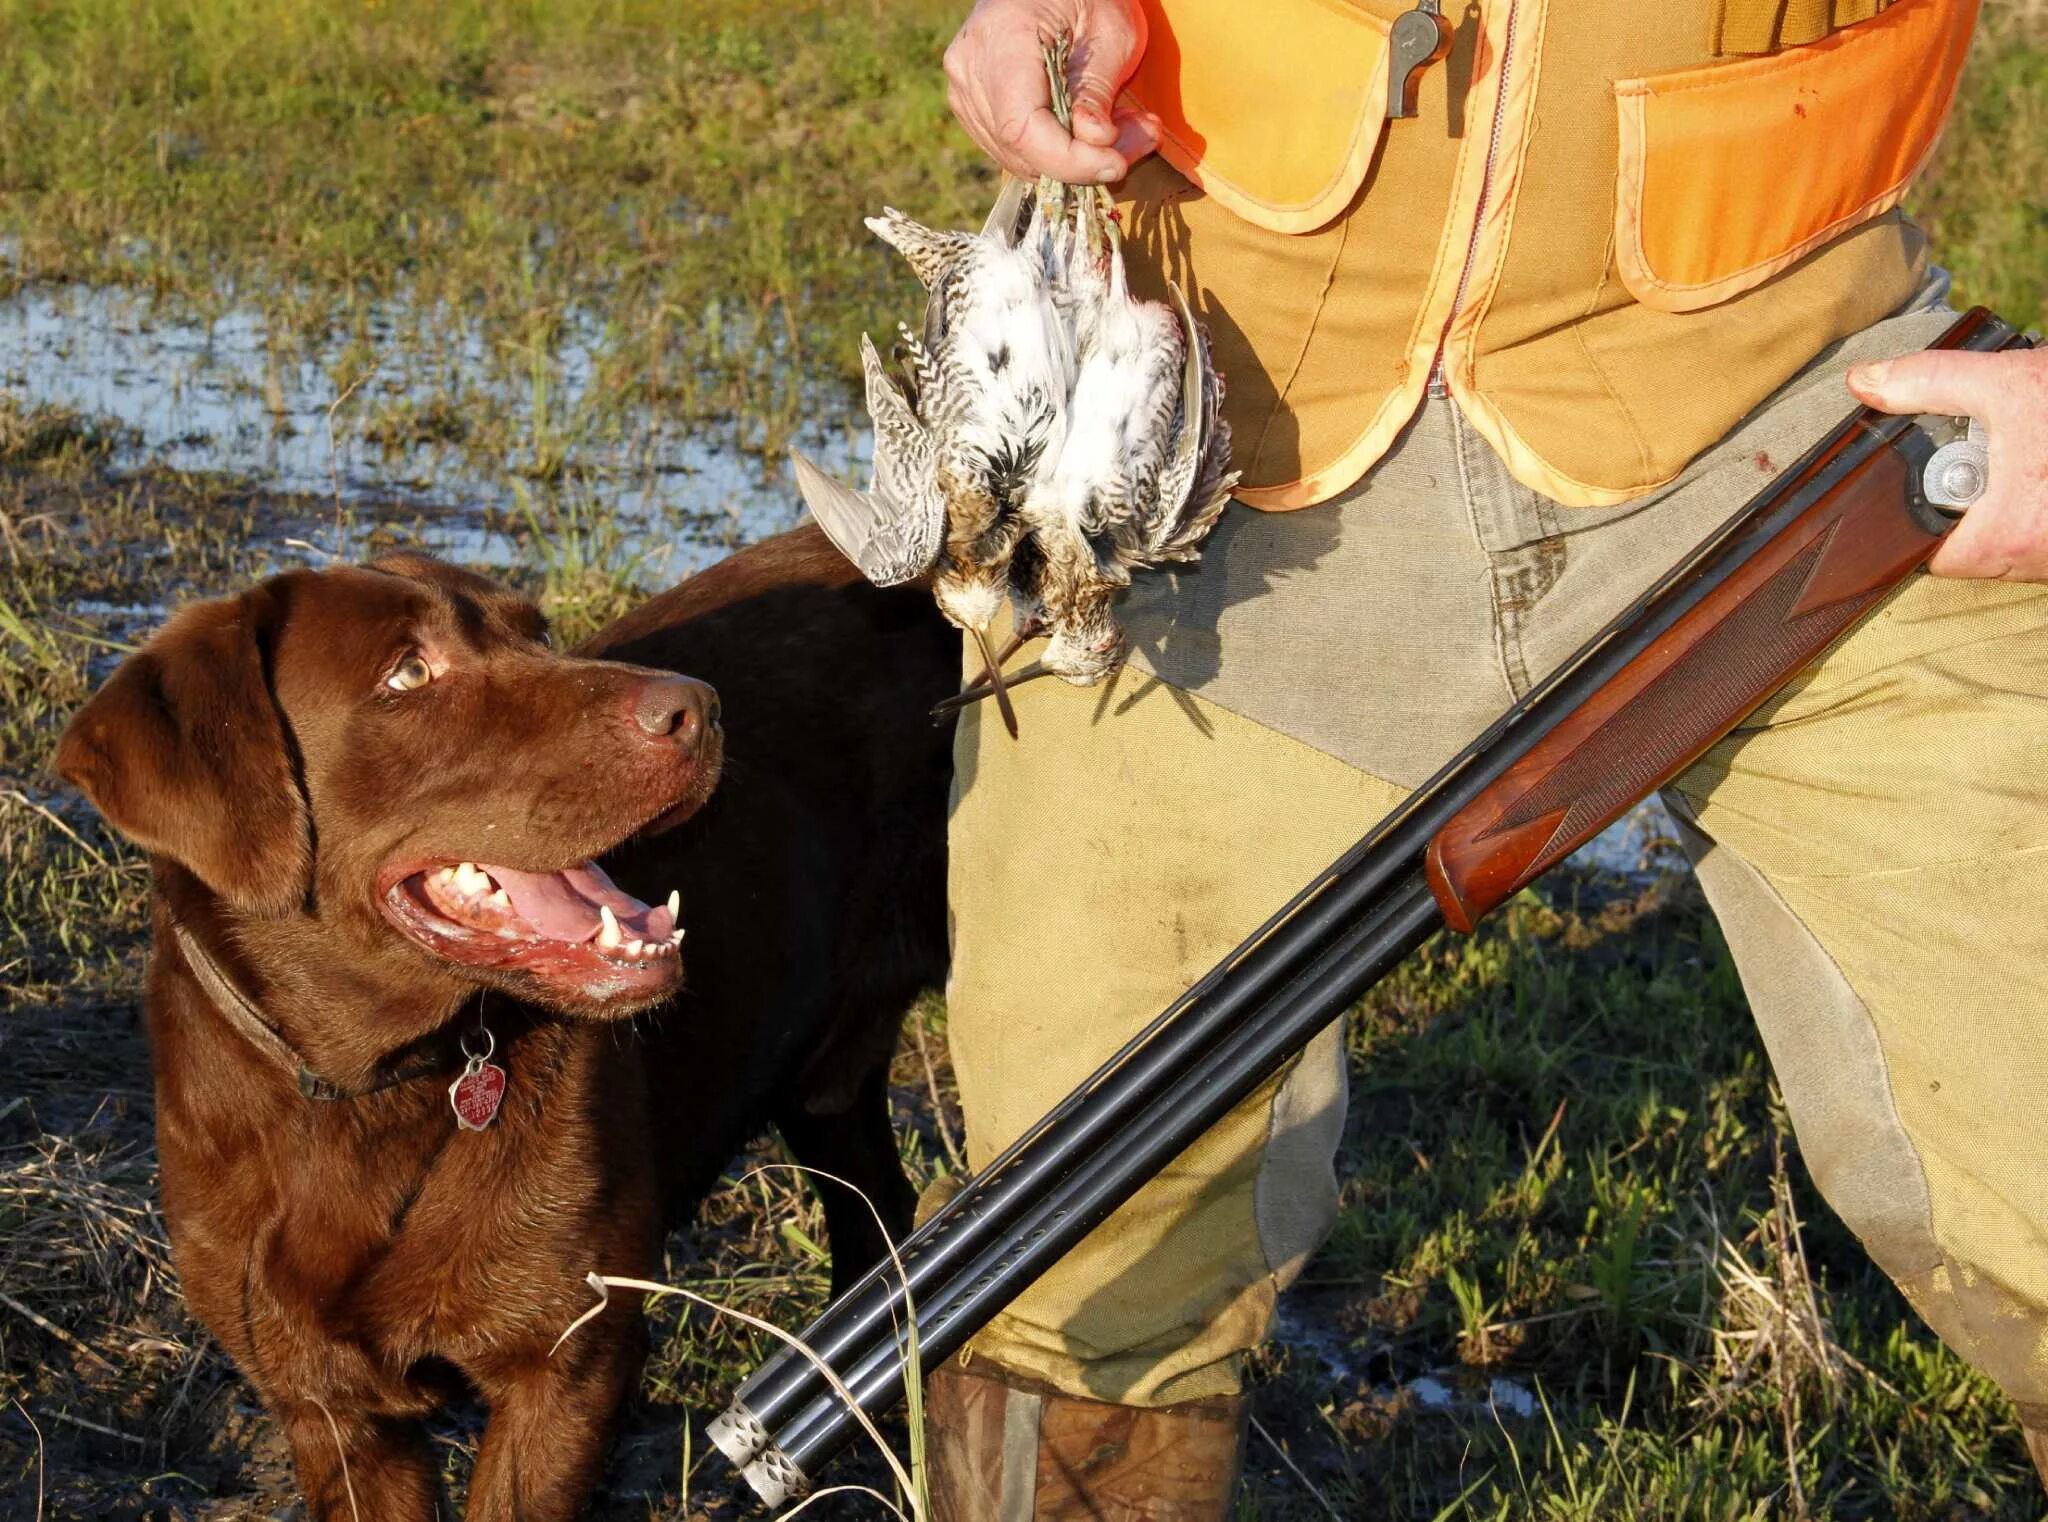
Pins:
x,y
996,85
2005,533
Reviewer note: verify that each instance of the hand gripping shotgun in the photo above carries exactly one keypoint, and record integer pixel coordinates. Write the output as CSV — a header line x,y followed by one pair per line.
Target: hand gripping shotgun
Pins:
x,y
1767,592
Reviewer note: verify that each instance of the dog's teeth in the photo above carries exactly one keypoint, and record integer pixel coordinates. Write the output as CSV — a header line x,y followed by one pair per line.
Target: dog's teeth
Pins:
x,y
608,936
675,936
502,900
675,907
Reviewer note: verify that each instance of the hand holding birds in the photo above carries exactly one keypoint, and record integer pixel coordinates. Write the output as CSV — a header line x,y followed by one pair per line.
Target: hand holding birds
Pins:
x,y
1052,433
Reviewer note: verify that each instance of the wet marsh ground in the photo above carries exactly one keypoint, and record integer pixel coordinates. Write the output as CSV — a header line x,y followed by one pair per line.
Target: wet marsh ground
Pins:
x,y
547,288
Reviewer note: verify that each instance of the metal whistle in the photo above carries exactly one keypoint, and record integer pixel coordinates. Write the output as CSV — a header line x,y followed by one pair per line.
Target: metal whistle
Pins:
x,y
1418,39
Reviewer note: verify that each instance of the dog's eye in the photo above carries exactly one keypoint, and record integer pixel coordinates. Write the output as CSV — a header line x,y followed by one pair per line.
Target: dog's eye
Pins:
x,y
409,674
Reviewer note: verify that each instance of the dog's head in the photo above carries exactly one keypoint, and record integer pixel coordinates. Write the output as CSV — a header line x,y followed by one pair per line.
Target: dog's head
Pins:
x,y
395,752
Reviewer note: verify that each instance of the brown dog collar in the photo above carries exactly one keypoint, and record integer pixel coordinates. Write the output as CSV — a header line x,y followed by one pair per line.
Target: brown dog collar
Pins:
x,y
244,1014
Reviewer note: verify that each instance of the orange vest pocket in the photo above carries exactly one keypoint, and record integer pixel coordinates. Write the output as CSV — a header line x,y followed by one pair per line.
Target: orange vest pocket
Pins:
x,y
1731,172
1273,109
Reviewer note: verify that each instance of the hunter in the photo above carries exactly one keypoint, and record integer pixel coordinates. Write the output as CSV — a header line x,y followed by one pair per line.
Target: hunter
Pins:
x,y
1491,367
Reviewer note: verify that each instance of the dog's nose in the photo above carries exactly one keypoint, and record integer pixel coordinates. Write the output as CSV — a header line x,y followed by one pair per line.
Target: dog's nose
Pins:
x,y
679,707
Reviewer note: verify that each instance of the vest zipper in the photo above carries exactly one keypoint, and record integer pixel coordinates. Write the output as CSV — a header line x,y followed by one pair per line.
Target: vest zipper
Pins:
x,y
1438,386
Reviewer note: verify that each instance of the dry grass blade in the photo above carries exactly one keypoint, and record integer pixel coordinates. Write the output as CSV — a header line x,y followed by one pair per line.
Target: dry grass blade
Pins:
x,y
341,1452
913,1362
604,1284
101,1428
1769,1328
954,1153
38,1319
1294,1469
334,451
840,1490
42,1462
21,800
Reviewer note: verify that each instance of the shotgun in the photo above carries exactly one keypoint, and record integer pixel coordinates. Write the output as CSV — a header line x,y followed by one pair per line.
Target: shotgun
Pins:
x,y
1745,612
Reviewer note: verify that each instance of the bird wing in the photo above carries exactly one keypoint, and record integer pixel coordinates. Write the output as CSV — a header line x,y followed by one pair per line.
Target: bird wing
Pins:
x,y
903,449
1184,455
1217,480
888,543
1210,482
931,252
1184,502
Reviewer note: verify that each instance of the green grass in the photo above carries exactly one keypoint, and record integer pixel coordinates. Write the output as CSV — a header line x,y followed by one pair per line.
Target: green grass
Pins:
x,y
687,179
1985,204
1566,1167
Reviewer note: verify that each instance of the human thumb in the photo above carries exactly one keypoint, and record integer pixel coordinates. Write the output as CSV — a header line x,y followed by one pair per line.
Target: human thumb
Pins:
x,y
1931,381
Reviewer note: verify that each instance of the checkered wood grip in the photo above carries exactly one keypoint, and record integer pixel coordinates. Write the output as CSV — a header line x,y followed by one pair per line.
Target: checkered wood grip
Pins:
x,y
1686,690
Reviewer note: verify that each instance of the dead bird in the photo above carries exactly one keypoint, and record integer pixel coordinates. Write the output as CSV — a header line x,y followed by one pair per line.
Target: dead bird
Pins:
x,y
1051,434
982,413
1142,476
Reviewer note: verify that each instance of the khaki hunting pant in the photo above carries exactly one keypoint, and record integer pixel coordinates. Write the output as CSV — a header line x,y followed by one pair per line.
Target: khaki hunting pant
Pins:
x,y
1874,843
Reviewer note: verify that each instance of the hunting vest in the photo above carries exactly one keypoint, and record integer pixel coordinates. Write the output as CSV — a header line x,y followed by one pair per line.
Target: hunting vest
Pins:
x,y
1612,229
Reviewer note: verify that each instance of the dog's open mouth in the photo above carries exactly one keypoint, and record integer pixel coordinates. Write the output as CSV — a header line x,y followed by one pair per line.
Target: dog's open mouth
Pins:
x,y
575,926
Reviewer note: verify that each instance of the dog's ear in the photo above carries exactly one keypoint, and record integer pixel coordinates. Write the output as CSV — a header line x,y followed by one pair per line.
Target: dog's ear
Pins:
x,y
184,752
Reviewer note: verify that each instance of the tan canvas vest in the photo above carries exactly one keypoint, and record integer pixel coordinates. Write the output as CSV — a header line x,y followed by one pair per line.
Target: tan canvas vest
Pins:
x,y
1613,229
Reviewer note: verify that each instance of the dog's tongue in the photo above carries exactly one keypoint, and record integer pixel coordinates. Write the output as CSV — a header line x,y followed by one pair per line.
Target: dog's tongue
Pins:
x,y
563,905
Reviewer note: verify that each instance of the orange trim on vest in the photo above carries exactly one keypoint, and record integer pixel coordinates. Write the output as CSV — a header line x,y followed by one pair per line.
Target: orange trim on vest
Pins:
x,y
1274,109
1732,172
1463,250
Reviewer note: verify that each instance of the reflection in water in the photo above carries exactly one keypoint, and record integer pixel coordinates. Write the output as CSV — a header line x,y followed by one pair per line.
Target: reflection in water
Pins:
x,y
451,429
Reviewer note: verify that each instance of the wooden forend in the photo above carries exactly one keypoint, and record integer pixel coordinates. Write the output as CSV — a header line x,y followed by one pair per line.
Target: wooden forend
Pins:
x,y
1662,710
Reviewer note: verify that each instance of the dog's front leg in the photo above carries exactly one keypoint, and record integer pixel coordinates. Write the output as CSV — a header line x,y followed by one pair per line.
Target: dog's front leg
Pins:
x,y
354,1466
551,1420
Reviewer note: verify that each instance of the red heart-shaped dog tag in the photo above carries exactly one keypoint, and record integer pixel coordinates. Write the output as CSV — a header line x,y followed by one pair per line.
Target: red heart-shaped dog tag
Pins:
x,y
477,1094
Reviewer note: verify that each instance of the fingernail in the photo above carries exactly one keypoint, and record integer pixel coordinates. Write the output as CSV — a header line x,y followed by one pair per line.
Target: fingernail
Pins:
x,y
1870,377
1109,174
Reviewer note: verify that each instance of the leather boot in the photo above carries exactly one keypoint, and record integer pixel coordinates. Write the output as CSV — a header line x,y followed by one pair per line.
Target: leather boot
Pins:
x,y
1003,1448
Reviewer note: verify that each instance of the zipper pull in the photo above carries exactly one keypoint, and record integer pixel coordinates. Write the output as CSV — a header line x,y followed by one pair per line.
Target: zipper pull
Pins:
x,y
1418,39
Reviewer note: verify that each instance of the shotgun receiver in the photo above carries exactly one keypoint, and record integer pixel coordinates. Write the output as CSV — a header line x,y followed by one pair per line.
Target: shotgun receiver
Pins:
x,y
1752,606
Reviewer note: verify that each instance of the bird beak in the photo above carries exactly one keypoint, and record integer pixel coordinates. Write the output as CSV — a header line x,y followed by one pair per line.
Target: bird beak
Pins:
x,y
993,677
996,689
1023,635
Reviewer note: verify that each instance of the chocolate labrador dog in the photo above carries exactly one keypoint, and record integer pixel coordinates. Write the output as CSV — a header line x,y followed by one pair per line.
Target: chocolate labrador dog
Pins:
x,y
403,1106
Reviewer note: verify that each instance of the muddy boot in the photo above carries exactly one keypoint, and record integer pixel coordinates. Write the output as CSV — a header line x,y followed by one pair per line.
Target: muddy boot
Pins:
x,y
1003,1448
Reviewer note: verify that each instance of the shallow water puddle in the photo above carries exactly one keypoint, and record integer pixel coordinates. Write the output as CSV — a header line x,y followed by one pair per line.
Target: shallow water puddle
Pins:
x,y
1450,1391
448,429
